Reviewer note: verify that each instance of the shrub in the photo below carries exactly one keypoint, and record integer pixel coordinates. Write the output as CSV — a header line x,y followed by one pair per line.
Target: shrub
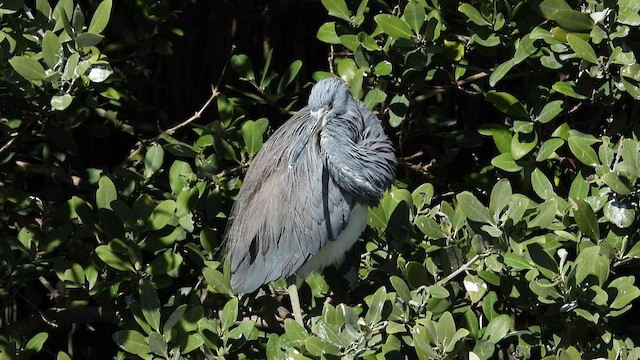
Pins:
x,y
511,231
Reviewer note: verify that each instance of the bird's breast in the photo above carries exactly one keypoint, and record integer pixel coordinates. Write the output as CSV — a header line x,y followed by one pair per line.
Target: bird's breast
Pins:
x,y
333,251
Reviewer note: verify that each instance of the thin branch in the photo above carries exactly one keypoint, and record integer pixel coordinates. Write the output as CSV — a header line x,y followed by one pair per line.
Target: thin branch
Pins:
x,y
330,59
232,171
414,156
461,269
56,317
53,293
55,173
215,92
437,90
618,154
9,143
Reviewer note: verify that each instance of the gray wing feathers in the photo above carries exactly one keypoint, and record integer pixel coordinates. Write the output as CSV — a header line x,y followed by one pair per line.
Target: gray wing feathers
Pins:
x,y
278,219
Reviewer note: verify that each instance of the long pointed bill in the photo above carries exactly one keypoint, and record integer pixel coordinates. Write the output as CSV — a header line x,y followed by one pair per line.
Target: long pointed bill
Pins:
x,y
311,130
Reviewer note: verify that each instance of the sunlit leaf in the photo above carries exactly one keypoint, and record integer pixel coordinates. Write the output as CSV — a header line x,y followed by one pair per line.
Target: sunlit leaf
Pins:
x,y
394,26
28,68
100,18
337,8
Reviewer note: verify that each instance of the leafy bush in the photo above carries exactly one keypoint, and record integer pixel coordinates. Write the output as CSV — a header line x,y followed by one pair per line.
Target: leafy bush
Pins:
x,y
511,231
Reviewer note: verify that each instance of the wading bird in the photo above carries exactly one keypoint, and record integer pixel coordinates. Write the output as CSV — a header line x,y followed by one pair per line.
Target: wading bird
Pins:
x,y
304,199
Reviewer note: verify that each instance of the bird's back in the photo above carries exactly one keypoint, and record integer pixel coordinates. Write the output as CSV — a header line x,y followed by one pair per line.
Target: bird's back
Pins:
x,y
288,217
283,215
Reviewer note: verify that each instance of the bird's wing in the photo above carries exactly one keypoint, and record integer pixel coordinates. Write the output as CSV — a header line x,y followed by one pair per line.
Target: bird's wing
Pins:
x,y
283,216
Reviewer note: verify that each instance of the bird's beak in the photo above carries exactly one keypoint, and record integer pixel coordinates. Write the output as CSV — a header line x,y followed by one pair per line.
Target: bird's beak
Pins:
x,y
309,132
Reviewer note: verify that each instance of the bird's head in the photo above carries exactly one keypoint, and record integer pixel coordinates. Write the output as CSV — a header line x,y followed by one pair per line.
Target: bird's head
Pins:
x,y
328,100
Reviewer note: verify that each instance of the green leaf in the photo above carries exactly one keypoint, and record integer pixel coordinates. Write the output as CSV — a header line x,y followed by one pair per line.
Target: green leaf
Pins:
x,y
153,160
50,49
473,208
100,18
36,343
180,175
473,14
164,263
383,68
541,183
422,344
625,291
106,193
459,335
500,71
505,162
573,20
162,214
217,280
253,134
88,39
229,314
628,12
174,318
394,26
500,196
591,262
497,329
619,214
150,304
401,288
295,332
579,187
521,148
367,42
445,328
631,157
475,287
337,8
516,262
586,219
374,97
508,104
548,148
582,49
289,75
61,102
550,111
614,182
62,356
429,227
10,6
488,305
28,68
525,49
132,342
327,33
549,7
422,195
114,260
157,344
415,15
581,148
397,110
317,347
501,135
546,214
568,89
242,65
376,305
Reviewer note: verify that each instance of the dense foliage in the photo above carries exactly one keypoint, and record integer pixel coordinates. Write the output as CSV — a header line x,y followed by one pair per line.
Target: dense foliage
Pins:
x,y
512,230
